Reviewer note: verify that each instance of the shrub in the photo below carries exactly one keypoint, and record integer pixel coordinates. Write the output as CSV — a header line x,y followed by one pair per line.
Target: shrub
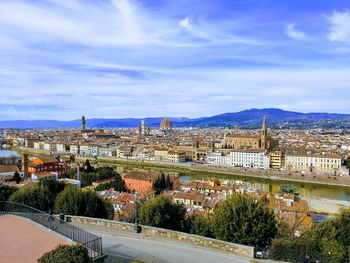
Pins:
x,y
66,254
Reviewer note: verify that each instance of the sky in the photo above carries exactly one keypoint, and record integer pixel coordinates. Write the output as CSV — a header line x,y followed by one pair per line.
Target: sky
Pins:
x,y
60,59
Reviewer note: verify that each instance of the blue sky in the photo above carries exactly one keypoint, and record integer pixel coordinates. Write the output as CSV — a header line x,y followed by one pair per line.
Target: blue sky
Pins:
x,y
60,59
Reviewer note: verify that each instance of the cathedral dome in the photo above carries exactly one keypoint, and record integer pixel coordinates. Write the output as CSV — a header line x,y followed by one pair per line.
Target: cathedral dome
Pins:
x,y
165,124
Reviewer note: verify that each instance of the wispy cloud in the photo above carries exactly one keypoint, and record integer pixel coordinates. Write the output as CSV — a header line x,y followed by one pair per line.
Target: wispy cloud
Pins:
x,y
339,30
122,58
294,33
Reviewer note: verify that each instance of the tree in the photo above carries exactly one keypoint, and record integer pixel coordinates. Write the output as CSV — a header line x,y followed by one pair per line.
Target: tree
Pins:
x,y
105,172
87,179
52,185
348,162
16,177
102,187
39,198
66,254
162,182
156,185
328,241
73,201
161,212
168,183
88,168
118,183
6,192
294,249
198,225
288,189
242,219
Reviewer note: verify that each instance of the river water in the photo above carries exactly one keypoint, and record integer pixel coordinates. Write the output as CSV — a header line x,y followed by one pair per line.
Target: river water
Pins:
x,y
321,198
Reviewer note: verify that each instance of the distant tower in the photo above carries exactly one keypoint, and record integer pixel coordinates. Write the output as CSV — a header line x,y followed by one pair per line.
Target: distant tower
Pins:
x,y
83,123
143,127
25,161
264,134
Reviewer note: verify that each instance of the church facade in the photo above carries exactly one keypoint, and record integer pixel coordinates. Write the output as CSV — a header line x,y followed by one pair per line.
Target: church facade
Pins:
x,y
258,141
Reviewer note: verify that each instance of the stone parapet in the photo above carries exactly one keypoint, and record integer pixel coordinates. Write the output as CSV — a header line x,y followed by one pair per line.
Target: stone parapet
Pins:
x,y
237,249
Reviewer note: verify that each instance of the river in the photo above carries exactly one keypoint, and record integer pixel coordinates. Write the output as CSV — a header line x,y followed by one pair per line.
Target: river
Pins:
x,y
321,198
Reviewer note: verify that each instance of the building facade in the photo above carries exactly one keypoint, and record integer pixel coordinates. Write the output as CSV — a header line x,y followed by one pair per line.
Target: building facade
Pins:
x,y
314,163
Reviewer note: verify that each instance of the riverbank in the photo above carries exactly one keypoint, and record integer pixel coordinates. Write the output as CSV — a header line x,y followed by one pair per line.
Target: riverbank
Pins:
x,y
227,172
278,176
324,197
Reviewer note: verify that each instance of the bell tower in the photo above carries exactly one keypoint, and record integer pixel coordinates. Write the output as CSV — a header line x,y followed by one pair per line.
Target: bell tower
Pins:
x,y
83,123
264,134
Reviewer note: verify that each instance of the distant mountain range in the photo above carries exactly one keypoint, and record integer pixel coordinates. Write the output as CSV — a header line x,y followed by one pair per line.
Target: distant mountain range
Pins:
x,y
251,118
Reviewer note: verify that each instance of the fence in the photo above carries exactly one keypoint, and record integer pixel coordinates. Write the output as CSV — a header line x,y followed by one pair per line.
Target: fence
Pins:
x,y
92,242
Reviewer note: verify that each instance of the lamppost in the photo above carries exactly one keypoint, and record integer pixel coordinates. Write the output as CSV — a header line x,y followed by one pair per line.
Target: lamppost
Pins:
x,y
136,226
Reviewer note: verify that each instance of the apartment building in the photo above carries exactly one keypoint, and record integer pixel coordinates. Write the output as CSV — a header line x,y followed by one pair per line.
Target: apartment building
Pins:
x,y
277,160
252,158
314,163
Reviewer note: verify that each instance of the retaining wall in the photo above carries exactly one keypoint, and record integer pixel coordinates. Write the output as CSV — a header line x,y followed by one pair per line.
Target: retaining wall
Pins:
x,y
236,249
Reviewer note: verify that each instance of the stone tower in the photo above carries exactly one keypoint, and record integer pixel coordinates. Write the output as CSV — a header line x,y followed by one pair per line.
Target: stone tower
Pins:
x,y
83,123
25,161
264,134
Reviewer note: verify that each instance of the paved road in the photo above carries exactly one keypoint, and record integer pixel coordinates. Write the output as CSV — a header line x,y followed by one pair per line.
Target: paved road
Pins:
x,y
127,245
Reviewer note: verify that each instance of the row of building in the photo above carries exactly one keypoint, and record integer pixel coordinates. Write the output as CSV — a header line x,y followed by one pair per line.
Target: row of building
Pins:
x,y
296,161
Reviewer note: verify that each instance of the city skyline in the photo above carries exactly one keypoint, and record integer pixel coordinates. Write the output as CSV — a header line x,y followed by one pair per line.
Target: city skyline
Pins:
x,y
129,58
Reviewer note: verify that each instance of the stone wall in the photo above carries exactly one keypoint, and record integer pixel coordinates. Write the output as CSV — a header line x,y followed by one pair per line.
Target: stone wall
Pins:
x,y
236,249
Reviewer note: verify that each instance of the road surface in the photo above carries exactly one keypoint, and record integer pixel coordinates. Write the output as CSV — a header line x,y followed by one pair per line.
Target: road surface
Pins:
x,y
124,246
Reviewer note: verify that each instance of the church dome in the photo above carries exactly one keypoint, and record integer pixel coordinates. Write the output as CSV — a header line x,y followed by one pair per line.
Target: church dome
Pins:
x,y
165,124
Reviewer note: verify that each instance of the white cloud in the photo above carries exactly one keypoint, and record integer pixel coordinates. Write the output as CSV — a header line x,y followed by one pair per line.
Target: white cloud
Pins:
x,y
292,32
339,30
185,23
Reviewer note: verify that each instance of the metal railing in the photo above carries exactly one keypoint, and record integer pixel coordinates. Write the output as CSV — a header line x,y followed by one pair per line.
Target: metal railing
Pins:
x,y
92,242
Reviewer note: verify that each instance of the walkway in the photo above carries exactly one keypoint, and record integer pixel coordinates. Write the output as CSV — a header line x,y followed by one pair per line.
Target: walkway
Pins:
x,y
119,244
21,240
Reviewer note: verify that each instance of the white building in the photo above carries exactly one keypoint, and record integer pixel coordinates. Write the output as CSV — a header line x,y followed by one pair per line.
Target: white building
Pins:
x,y
89,151
74,149
314,163
105,152
250,158
38,146
61,147
50,147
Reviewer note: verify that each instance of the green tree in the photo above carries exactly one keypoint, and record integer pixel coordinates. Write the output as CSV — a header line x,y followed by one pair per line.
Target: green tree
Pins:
x,y
66,254
156,185
71,173
342,222
168,183
16,177
87,179
37,197
348,162
118,183
162,182
73,201
242,219
6,192
294,249
288,189
88,168
105,172
52,185
161,212
198,225
102,187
